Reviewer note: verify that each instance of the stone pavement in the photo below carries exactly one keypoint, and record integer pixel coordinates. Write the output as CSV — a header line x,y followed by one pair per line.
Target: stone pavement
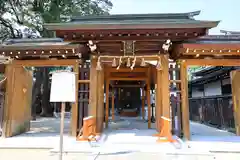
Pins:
x,y
126,140
10,154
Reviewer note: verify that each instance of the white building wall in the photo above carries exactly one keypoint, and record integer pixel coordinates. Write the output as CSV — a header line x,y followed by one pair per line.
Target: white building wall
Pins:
x,y
196,93
212,89
226,81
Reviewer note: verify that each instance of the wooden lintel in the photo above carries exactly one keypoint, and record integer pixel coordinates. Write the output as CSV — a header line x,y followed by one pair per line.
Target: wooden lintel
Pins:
x,y
212,62
42,63
126,70
83,81
175,81
128,79
126,86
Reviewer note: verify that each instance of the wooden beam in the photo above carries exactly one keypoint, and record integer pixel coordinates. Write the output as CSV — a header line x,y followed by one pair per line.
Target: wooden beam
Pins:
x,y
175,81
235,78
126,70
126,86
184,101
74,117
128,79
212,62
44,63
127,74
83,81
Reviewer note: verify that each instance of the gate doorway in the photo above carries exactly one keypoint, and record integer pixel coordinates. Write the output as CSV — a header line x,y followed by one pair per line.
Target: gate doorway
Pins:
x,y
123,95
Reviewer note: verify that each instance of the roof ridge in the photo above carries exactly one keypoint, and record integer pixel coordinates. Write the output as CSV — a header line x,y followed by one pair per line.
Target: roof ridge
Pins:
x,y
230,32
31,40
220,37
187,15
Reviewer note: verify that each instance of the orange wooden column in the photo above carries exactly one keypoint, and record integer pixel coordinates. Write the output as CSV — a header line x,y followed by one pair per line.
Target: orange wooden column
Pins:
x,y
113,104
158,100
149,96
92,111
235,78
107,104
149,105
100,100
165,133
143,103
184,101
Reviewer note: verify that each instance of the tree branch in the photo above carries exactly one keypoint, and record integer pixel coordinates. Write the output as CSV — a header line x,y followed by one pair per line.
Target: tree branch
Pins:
x,y
16,14
6,24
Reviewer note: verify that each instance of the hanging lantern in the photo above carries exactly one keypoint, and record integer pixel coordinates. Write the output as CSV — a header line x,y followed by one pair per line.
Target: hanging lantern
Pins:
x,y
143,63
159,65
99,67
128,62
114,63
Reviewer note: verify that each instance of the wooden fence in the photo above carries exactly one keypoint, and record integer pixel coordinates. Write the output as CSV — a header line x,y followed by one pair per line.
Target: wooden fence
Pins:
x,y
216,111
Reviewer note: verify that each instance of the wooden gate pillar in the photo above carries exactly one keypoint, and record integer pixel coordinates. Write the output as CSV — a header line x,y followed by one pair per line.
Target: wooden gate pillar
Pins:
x,y
164,94
74,117
92,108
235,78
184,101
96,96
165,87
100,100
17,107
158,98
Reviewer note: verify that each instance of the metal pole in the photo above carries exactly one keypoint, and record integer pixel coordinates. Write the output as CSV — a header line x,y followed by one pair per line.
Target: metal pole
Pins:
x,y
61,130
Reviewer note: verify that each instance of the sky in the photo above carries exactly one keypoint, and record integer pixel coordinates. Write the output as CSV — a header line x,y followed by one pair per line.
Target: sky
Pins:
x,y
216,10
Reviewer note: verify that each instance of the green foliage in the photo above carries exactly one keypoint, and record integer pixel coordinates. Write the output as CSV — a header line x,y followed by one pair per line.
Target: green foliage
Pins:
x,y
34,13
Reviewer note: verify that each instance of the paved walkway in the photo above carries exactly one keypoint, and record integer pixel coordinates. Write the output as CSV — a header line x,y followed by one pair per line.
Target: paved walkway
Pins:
x,y
45,155
126,136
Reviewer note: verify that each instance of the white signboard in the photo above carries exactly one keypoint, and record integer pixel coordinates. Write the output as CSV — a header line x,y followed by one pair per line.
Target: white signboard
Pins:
x,y
63,87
